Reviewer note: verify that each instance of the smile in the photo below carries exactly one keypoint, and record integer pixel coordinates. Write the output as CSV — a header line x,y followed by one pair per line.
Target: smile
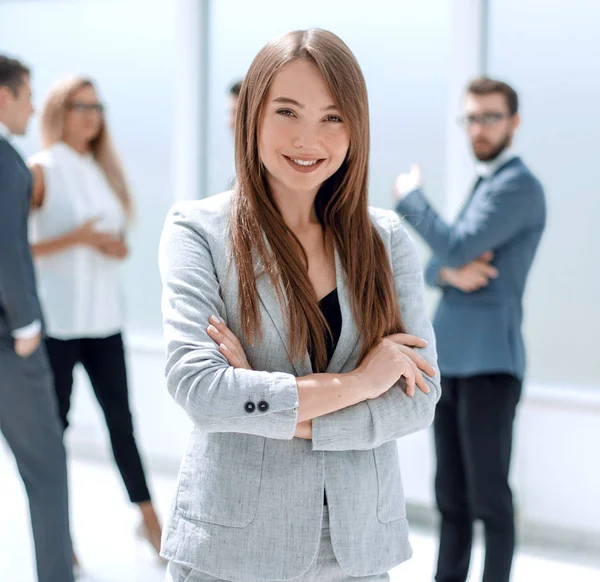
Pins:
x,y
304,166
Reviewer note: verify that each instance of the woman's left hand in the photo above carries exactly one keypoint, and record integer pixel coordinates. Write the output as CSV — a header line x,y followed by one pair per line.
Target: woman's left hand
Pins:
x,y
229,345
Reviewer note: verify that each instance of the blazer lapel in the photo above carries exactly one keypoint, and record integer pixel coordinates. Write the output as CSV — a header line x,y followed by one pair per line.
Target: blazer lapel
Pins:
x,y
349,335
271,306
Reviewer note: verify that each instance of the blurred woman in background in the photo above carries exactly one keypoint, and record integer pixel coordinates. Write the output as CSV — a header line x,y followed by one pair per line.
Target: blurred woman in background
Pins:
x,y
81,210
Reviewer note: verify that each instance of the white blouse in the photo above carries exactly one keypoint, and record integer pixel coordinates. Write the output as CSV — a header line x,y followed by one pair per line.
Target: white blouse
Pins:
x,y
79,288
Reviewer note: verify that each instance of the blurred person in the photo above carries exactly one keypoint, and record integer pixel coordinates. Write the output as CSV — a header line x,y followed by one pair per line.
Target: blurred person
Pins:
x,y
286,307
28,412
81,207
481,263
234,95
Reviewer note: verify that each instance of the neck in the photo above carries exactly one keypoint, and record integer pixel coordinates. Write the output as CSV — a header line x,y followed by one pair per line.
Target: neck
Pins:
x,y
297,207
4,121
81,146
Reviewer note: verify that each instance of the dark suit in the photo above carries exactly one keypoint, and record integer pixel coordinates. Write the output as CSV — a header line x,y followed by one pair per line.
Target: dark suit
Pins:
x,y
482,360
28,409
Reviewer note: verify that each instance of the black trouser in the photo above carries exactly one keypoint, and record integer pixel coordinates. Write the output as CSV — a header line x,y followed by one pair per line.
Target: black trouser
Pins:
x,y
473,441
104,362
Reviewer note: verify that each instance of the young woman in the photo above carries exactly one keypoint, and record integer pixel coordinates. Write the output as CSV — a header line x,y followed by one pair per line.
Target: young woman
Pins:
x,y
287,307
81,207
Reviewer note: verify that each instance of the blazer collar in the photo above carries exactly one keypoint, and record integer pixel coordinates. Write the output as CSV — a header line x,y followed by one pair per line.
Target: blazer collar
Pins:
x,y
349,335
488,169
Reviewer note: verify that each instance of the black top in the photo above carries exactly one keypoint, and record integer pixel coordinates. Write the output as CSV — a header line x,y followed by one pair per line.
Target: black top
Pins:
x,y
330,308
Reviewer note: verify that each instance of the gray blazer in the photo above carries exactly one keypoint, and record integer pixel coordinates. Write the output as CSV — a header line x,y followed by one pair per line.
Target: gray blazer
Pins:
x,y
249,501
19,305
480,332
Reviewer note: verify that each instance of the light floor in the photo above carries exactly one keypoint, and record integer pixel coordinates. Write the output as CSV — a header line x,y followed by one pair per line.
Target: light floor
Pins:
x,y
103,526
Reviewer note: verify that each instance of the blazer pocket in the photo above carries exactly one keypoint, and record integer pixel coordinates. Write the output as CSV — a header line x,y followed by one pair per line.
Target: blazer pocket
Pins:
x,y
220,479
390,496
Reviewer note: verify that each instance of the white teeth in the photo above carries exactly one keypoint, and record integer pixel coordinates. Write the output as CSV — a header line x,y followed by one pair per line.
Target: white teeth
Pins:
x,y
305,162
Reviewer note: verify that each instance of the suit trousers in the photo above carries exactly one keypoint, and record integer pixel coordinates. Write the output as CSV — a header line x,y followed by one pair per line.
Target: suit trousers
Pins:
x,y
104,361
473,429
325,567
29,423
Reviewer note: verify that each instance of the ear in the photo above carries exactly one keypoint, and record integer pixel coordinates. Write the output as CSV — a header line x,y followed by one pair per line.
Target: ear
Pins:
x,y
4,94
516,121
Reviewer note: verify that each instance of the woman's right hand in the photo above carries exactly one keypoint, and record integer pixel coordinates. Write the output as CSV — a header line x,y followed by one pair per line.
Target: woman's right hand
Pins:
x,y
384,365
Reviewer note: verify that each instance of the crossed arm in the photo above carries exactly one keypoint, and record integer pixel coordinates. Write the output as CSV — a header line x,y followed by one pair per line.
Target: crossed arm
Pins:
x,y
345,414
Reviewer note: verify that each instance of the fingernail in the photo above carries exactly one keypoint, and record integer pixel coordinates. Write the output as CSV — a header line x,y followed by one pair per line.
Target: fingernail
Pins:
x,y
213,329
215,319
424,340
223,347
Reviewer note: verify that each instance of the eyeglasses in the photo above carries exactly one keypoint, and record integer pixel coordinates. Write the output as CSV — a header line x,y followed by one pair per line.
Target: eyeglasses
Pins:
x,y
485,120
85,107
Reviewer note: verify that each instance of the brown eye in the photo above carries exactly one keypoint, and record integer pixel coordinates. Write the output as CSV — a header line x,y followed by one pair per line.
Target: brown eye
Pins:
x,y
285,112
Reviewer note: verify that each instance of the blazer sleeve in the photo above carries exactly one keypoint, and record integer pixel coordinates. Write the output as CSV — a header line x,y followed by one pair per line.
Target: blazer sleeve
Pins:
x,y
392,415
18,292
432,272
488,225
199,378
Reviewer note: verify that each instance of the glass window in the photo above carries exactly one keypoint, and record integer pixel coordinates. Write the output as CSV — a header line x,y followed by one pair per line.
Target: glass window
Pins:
x,y
551,57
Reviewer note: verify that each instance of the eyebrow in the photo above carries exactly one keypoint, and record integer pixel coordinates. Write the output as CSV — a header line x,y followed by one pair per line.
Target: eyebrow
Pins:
x,y
290,101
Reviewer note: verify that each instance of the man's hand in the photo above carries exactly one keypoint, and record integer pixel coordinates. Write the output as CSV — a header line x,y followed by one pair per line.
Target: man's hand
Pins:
x,y
472,276
24,347
405,183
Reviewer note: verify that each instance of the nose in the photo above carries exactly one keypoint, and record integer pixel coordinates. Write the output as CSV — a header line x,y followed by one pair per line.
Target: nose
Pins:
x,y
306,136
476,130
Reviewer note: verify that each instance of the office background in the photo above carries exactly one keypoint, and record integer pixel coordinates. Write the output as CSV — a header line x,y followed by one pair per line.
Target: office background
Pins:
x,y
163,67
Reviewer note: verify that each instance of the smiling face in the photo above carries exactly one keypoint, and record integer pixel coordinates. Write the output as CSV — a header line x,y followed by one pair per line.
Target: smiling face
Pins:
x,y
303,136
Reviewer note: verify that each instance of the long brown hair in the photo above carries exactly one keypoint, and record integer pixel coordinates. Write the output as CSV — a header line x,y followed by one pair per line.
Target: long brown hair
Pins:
x,y
53,128
341,205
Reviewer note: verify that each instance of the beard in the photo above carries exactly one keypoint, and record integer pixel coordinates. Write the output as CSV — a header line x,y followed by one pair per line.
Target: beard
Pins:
x,y
494,151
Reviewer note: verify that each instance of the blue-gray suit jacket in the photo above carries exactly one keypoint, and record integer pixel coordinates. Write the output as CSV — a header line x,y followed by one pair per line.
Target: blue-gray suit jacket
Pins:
x,y
249,503
19,305
480,332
